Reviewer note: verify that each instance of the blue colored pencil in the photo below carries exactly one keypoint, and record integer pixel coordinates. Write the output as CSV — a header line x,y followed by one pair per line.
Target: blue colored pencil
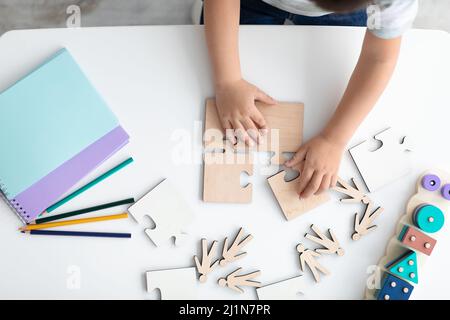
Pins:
x,y
79,234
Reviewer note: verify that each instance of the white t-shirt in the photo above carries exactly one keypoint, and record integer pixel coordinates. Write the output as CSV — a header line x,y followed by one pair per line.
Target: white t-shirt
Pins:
x,y
386,18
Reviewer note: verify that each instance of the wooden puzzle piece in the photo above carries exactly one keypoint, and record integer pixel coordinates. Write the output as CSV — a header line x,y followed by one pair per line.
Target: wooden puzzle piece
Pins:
x,y
386,164
205,267
285,134
329,245
394,289
289,289
417,240
405,267
234,281
353,191
174,284
365,224
221,177
423,196
168,210
232,253
308,258
288,198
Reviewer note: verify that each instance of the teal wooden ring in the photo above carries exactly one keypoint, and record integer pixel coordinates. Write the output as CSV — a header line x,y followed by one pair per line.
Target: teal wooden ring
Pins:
x,y
429,218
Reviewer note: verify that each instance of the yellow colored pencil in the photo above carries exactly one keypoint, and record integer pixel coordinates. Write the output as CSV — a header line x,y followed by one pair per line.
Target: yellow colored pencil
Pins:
x,y
71,222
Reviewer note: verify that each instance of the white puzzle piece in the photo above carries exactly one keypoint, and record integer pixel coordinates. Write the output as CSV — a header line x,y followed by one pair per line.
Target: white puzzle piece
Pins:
x,y
289,289
169,211
385,164
174,284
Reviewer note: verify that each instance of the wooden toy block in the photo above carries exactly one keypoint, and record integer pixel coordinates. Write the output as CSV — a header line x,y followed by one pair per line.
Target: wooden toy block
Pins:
x,y
427,193
232,253
308,257
288,198
207,264
394,289
329,245
353,191
168,210
235,281
405,267
417,240
174,284
365,224
221,177
428,218
289,289
386,164
285,134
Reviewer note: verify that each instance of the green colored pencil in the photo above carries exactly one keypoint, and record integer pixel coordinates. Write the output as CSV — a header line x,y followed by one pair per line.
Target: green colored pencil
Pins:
x,y
89,185
86,210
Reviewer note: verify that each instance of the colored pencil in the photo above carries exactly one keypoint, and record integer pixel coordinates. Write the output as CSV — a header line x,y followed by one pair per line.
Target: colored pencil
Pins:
x,y
71,222
89,185
86,210
79,233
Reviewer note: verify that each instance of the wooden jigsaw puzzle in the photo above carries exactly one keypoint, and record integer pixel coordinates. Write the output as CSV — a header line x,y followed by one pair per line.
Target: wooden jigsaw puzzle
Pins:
x,y
288,198
289,289
385,164
168,210
284,120
222,177
174,284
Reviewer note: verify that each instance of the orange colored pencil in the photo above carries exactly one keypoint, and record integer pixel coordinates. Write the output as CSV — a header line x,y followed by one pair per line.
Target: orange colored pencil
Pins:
x,y
71,222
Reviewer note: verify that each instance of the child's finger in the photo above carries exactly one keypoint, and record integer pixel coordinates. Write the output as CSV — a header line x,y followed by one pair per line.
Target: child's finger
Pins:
x,y
251,129
305,176
264,97
325,185
313,185
297,158
334,179
241,134
258,118
229,134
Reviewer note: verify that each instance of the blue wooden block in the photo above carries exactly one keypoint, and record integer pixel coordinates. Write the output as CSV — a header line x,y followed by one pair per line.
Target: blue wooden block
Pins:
x,y
394,289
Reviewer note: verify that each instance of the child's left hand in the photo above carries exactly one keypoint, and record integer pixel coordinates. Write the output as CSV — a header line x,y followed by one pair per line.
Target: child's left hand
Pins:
x,y
318,162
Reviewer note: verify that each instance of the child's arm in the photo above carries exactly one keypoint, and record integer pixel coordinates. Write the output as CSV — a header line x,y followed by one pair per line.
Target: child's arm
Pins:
x,y
235,97
322,154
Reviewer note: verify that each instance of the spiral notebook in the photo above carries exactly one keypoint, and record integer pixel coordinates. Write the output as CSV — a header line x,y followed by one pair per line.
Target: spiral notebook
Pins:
x,y
54,129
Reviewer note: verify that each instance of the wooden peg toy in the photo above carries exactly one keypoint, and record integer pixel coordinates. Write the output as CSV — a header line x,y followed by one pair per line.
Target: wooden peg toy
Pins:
x,y
308,257
353,191
234,281
230,254
428,218
365,224
205,267
405,267
417,240
330,245
394,289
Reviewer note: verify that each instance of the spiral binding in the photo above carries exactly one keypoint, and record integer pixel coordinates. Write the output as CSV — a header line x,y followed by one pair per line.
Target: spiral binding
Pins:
x,y
13,204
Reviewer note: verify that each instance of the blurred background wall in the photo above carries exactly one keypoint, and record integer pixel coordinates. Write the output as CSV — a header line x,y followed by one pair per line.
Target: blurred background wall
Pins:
x,y
25,14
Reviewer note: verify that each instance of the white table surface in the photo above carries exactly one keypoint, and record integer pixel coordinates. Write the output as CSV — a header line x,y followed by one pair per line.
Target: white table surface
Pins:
x,y
156,80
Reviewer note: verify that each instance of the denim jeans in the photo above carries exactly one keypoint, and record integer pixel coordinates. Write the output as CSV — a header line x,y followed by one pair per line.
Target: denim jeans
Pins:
x,y
259,12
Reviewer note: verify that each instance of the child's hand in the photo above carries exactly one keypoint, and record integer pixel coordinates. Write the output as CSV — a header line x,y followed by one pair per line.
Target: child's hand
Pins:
x,y
237,110
318,162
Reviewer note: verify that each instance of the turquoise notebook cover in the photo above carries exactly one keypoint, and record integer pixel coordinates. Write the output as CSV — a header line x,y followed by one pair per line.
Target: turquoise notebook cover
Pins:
x,y
55,105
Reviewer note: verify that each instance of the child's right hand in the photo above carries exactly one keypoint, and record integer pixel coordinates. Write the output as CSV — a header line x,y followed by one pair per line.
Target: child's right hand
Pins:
x,y
237,111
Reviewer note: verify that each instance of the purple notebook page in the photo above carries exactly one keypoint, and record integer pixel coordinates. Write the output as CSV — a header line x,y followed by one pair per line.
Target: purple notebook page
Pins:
x,y
34,200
